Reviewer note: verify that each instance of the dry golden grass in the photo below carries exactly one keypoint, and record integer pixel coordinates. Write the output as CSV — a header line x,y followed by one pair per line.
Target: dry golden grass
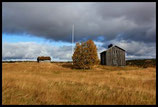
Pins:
x,y
57,83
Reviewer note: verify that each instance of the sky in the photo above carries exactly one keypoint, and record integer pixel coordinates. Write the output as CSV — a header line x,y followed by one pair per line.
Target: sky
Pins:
x,y
37,29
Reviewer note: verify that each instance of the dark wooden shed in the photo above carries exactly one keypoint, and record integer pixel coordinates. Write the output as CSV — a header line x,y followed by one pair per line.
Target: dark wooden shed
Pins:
x,y
113,56
43,59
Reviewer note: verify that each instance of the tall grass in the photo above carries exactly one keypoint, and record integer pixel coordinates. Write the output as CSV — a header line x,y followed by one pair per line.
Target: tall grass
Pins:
x,y
57,83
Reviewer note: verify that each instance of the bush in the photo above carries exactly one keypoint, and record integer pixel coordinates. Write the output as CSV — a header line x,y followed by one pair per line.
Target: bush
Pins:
x,y
142,63
85,55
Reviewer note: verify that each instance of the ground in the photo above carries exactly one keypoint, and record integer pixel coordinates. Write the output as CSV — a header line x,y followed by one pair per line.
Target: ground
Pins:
x,y
35,83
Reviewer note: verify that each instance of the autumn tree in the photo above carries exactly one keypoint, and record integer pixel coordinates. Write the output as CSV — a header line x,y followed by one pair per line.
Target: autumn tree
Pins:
x,y
77,56
85,55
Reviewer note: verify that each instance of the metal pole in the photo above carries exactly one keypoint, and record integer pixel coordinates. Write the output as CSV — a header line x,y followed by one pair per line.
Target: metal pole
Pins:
x,y
72,39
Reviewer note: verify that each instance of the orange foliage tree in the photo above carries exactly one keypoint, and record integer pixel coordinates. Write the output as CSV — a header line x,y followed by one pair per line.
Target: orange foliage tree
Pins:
x,y
85,55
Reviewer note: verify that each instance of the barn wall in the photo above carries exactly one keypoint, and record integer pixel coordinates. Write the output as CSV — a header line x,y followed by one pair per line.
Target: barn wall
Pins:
x,y
105,58
115,56
109,57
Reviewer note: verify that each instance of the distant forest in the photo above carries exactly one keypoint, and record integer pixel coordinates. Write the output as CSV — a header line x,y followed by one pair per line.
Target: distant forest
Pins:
x,y
142,62
136,62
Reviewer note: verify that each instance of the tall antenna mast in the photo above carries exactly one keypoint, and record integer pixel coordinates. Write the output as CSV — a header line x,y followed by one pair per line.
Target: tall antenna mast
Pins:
x,y
72,38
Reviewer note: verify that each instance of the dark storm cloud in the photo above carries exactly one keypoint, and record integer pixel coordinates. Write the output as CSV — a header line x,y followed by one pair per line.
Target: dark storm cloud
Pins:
x,y
131,26
135,21
141,13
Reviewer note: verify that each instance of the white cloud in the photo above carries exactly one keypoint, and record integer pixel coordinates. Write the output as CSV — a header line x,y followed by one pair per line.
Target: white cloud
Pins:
x,y
31,50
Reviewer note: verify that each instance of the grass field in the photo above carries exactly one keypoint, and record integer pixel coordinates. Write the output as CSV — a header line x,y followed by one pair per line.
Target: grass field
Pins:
x,y
35,83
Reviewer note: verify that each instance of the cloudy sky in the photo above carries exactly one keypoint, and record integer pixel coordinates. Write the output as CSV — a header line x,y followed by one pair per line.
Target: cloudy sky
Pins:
x,y
36,29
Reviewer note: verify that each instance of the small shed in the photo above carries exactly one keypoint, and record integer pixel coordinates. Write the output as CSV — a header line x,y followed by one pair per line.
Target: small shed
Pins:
x,y
43,59
113,56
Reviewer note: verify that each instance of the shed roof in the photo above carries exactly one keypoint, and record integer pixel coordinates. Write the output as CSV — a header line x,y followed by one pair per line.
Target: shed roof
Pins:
x,y
44,58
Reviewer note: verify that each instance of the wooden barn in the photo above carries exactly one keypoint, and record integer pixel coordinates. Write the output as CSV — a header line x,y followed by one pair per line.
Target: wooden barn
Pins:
x,y
43,59
113,56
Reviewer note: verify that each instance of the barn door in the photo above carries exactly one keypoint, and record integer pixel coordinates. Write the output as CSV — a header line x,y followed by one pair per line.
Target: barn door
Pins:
x,y
114,62
115,58
103,59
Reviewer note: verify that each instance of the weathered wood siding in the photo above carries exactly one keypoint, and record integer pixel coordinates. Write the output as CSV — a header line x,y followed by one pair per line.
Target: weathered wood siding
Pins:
x,y
44,60
113,56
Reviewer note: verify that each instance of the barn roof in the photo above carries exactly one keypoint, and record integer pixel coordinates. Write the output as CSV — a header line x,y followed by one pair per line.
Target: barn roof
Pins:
x,y
103,52
111,47
44,58
119,48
